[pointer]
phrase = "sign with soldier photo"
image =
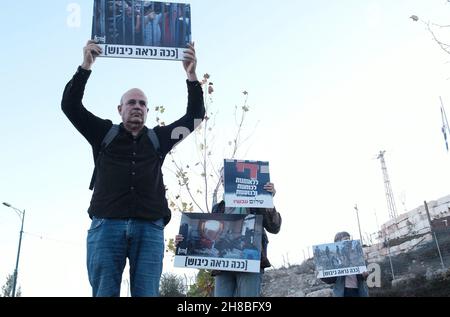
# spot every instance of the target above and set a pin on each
(141, 29)
(339, 259)
(227, 242)
(244, 184)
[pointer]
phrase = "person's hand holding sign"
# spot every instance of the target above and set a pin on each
(190, 62)
(270, 187)
(90, 52)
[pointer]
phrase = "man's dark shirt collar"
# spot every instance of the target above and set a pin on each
(122, 129)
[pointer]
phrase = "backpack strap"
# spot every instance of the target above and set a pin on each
(110, 135)
(155, 141)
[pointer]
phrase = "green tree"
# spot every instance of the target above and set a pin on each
(203, 286)
(171, 285)
(8, 287)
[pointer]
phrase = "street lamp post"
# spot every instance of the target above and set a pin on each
(21, 214)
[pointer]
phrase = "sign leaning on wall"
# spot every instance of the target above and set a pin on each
(141, 29)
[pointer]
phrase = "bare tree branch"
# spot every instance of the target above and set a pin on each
(442, 45)
(205, 169)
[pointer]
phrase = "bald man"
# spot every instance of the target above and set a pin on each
(128, 207)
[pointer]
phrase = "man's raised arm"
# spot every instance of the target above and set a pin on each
(85, 122)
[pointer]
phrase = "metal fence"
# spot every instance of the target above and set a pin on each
(413, 265)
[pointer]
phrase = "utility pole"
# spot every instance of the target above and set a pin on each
(434, 234)
(359, 226)
(387, 186)
(389, 254)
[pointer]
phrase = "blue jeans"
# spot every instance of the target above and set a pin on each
(339, 289)
(237, 284)
(351, 292)
(111, 241)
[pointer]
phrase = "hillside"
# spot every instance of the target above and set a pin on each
(416, 273)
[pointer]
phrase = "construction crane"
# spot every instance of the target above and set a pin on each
(387, 186)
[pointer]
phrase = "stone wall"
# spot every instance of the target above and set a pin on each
(406, 248)
(409, 230)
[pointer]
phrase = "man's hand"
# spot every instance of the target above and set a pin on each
(90, 52)
(190, 62)
(270, 187)
(178, 239)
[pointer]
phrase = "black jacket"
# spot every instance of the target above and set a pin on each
(129, 182)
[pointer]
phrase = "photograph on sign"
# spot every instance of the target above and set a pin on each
(339, 259)
(228, 242)
(141, 29)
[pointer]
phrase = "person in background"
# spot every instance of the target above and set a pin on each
(245, 284)
(349, 285)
